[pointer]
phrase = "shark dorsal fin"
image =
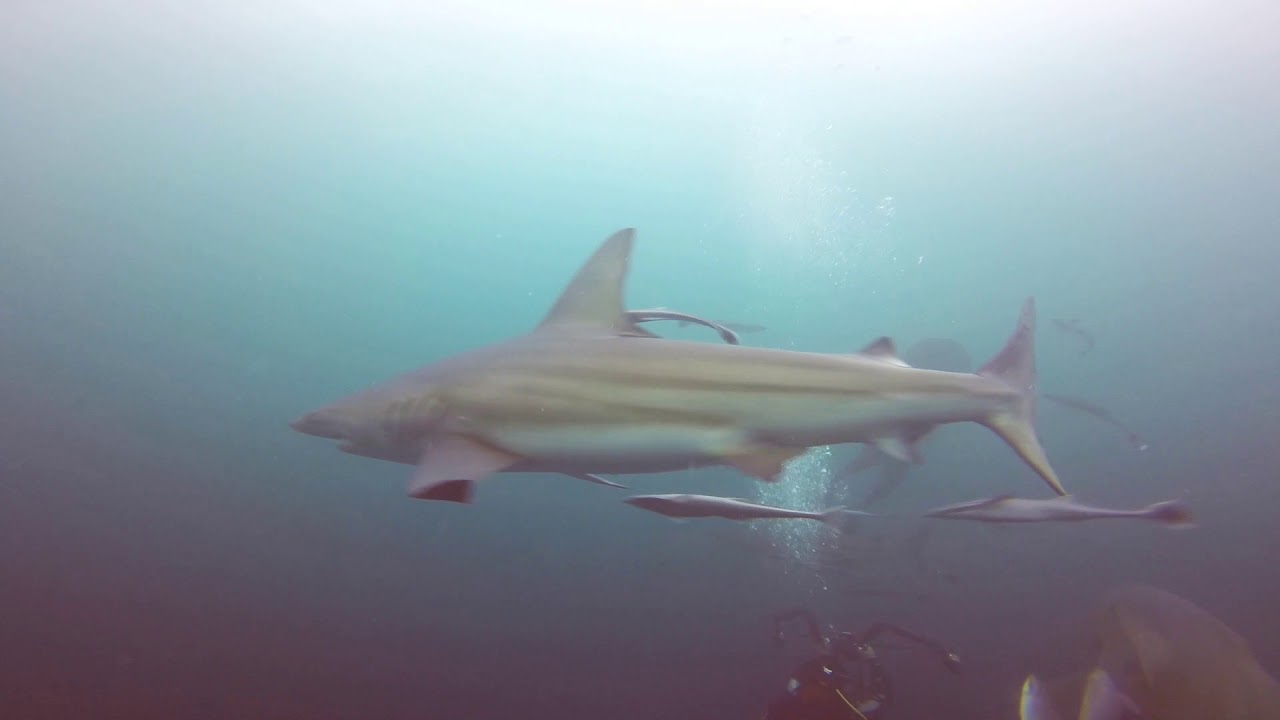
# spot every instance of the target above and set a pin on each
(593, 298)
(883, 349)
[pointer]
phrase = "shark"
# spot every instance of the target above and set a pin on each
(587, 392)
(895, 458)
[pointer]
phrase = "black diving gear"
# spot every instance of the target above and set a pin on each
(846, 681)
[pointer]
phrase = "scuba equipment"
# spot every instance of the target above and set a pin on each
(846, 680)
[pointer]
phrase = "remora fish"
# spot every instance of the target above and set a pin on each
(656, 314)
(735, 326)
(1072, 326)
(706, 506)
(1100, 413)
(588, 392)
(1009, 509)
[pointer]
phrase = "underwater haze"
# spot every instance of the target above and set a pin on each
(216, 216)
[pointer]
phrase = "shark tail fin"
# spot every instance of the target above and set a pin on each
(1015, 365)
(1171, 513)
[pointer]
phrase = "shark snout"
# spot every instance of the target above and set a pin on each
(320, 424)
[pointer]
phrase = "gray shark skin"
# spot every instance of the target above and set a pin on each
(586, 392)
(900, 453)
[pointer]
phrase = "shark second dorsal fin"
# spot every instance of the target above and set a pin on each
(593, 299)
(884, 350)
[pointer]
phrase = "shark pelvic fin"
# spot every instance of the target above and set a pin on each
(899, 448)
(451, 465)
(764, 462)
(592, 301)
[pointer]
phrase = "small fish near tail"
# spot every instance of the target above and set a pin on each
(1171, 513)
(1015, 365)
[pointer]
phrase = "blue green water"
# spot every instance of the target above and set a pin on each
(215, 216)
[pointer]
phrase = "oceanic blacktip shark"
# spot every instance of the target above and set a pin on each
(894, 456)
(635, 317)
(589, 392)
(711, 506)
(1009, 509)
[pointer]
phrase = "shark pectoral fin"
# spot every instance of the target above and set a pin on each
(1152, 650)
(899, 448)
(1104, 701)
(450, 466)
(596, 479)
(764, 462)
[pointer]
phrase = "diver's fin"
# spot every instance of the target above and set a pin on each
(1034, 703)
(1104, 701)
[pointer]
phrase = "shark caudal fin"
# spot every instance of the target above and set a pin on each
(1170, 513)
(1015, 366)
